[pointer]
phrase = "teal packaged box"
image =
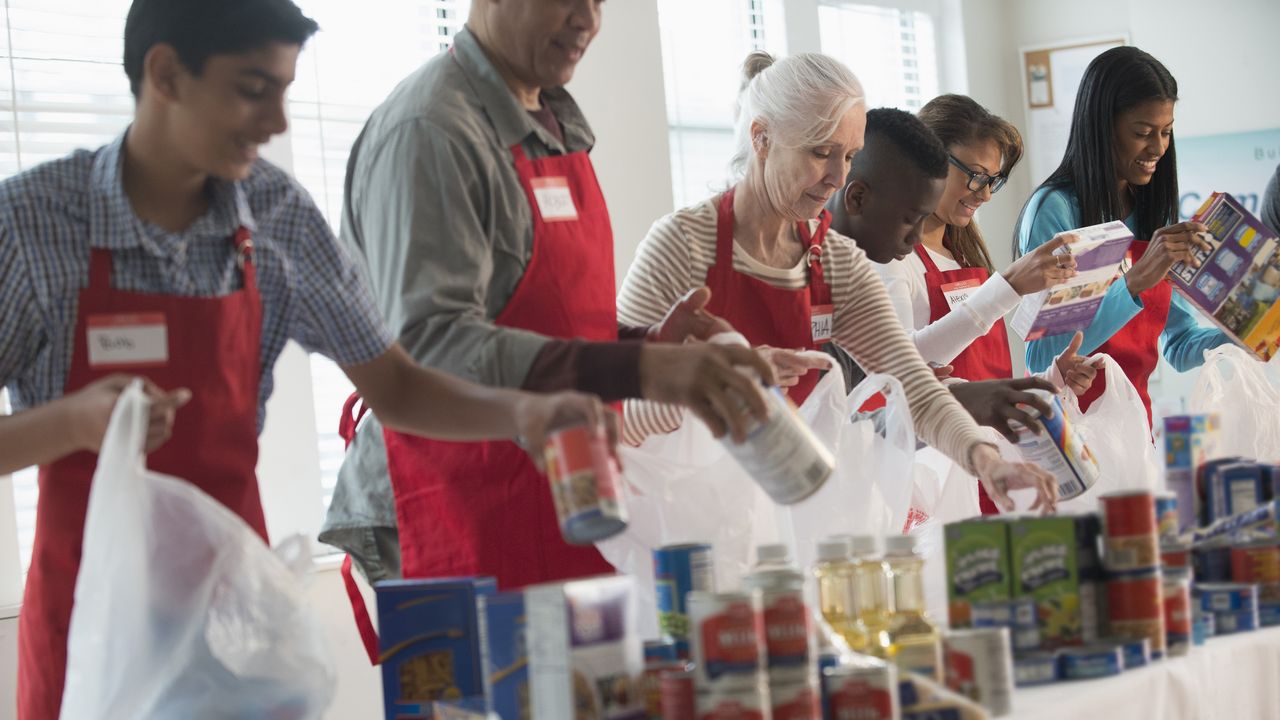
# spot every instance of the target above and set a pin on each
(429, 643)
(504, 648)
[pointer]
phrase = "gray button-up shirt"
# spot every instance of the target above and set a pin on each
(436, 212)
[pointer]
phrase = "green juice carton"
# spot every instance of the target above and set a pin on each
(978, 567)
(1055, 564)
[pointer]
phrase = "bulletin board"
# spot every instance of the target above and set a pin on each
(1050, 77)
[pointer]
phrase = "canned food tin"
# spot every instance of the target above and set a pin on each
(1256, 562)
(651, 683)
(677, 571)
(725, 703)
(584, 485)
(1037, 668)
(1135, 608)
(979, 666)
(1175, 555)
(1135, 653)
(1212, 565)
(1227, 597)
(863, 692)
(677, 695)
(1129, 531)
(1177, 611)
(1269, 614)
(1167, 515)
(782, 454)
(1091, 661)
(724, 635)
(1235, 621)
(1058, 449)
(794, 701)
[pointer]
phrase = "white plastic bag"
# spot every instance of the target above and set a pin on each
(1245, 393)
(1118, 435)
(180, 609)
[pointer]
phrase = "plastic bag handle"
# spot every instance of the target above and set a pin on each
(364, 623)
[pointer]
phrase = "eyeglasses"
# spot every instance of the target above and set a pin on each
(978, 180)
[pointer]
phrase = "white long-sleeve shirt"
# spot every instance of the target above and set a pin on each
(674, 258)
(942, 341)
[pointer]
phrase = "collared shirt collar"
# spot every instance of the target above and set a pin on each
(511, 121)
(113, 225)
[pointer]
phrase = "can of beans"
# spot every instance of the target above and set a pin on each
(1135, 608)
(725, 639)
(1257, 562)
(584, 484)
(678, 695)
(1167, 515)
(1129, 531)
(677, 571)
(979, 665)
(867, 692)
(1177, 611)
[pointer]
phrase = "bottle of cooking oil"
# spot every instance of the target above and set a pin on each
(914, 641)
(834, 574)
(872, 596)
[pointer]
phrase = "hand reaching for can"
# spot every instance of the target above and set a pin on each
(536, 416)
(999, 476)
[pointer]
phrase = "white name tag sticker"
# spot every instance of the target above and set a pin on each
(820, 317)
(959, 291)
(127, 340)
(555, 202)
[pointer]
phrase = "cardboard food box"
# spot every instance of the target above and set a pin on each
(978, 566)
(1099, 250)
(585, 652)
(504, 649)
(1055, 562)
(430, 643)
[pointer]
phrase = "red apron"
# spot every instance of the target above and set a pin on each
(213, 349)
(764, 314)
(1136, 346)
(483, 508)
(986, 358)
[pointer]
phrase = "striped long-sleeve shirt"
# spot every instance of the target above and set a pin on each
(674, 258)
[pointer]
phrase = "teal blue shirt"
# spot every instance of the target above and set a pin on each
(1183, 341)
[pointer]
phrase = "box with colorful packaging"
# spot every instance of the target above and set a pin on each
(1098, 250)
(978, 566)
(585, 653)
(1055, 561)
(1204, 480)
(430, 643)
(503, 648)
(1235, 488)
(1189, 440)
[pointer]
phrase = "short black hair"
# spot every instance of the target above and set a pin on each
(200, 28)
(912, 138)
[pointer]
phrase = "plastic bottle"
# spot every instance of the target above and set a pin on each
(915, 643)
(833, 572)
(872, 596)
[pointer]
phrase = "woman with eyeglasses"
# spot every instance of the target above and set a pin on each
(947, 293)
(1120, 165)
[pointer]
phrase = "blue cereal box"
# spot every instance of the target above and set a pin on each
(1189, 440)
(1204, 479)
(505, 655)
(429, 643)
(1234, 489)
(585, 652)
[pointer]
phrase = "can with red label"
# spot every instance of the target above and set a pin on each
(979, 665)
(1129, 531)
(584, 484)
(651, 681)
(862, 692)
(677, 695)
(786, 634)
(794, 701)
(1135, 608)
(725, 638)
(1256, 563)
(1175, 555)
(1177, 610)
(731, 703)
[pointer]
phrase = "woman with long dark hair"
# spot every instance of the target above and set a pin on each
(1120, 165)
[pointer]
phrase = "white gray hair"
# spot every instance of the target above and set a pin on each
(800, 100)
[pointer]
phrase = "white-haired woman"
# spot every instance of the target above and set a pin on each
(779, 276)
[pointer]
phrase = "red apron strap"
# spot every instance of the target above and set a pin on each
(819, 290)
(348, 423)
(929, 265)
(724, 232)
(364, 624)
